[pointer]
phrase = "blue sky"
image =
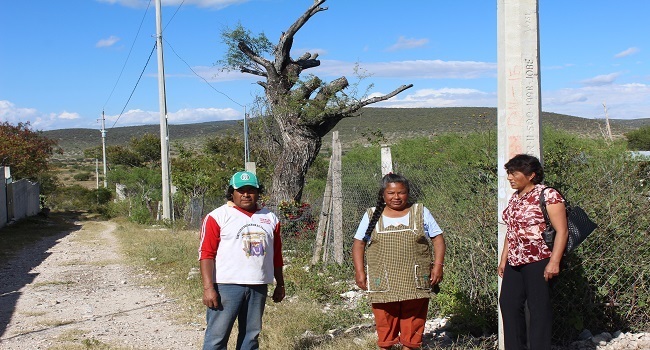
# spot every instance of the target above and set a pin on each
(64, 62)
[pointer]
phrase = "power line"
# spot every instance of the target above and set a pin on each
(136, 85)
(128, 56)
(195, 73)
(174, 15)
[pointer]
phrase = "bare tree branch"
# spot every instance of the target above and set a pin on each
(356, 106)
(332, 88)
(252, 71)
(243, 47)
(282, 57)
(305, 90)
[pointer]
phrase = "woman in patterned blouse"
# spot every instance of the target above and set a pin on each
(527, 265)
(404, 254)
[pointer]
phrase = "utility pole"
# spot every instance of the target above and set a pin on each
(519, 98)
(104, 148)
(164, 135)
(246, 152)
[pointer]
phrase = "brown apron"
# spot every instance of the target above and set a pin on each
(399, 260)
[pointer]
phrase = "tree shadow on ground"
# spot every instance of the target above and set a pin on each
(25, 245)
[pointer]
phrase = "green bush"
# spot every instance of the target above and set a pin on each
(82, 176)
(639, 139)
(78, 198)
(601, 289)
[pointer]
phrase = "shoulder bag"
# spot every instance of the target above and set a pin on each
(580, 226)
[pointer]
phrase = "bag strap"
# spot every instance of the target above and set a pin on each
(542, 203)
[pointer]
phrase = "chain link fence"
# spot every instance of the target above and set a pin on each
(603, 285)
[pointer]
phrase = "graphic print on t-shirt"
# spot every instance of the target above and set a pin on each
(254, 243)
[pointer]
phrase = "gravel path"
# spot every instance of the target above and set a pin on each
(71, 291)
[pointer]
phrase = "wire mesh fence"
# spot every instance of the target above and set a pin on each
(603, 285)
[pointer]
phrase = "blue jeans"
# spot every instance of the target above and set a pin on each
(236, 301)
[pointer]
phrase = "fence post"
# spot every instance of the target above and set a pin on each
(386, 160)
(337, 199)
(324, 217)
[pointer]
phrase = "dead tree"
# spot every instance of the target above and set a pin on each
(304, 111)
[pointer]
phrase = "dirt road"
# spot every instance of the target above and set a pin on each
(71, 291)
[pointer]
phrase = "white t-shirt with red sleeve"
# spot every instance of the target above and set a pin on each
(246, 246)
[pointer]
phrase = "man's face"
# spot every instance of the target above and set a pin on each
(246, 197)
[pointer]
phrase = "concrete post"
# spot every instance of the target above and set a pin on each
(3, 198)
(519, 99)
(386, 160)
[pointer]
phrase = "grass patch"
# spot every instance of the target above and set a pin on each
(72, 335)
(91, 232)
(54, 323)
(53, 283)
(168, 257)
(76, 339)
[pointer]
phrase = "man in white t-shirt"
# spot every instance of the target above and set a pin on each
(240, 254)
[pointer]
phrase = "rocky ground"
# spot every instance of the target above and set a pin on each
(73, 292)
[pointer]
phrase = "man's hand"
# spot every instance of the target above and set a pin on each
(210, 298)
(278, 294)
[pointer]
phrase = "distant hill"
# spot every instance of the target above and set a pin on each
(75, 141)
(393, 123)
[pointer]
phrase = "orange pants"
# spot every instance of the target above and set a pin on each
(400, 322)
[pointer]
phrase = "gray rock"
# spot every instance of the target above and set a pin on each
(585, 334)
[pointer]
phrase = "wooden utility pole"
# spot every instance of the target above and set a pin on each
(164, 135)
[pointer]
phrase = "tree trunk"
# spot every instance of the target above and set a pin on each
(300, 146)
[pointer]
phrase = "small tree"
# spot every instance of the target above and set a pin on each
(147, 147)
(27, 152)
(639, 139)
(304, 111)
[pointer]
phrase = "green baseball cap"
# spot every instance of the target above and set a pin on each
(244, 178)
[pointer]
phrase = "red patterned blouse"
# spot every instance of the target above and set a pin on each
(525, 224)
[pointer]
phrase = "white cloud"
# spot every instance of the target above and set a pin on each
(182, 116)
(407, 43)
(199, 115)
(9, 112)
(68, 116)
(628, 52)
(12, 114)
(418, 69)
(604, 79)
(214, 74)
(445, 97)
(110, 41)
(624, 101)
